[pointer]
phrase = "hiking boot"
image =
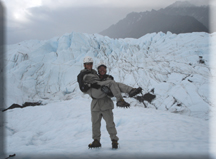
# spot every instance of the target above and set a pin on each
(114, 144)
(122, 103)
(135, 91)
(95, 144)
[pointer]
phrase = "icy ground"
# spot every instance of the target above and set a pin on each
(64, 128)
(178, 68)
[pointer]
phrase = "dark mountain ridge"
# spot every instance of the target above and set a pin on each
(180, 17)
(186, 9)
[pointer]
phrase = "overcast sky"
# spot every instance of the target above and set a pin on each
(44, 19)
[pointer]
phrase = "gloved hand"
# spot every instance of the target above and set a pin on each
(95, 85)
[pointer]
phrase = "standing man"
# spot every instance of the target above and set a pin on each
(102, 105)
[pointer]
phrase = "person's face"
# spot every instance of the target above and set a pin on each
(102, 70)
(88, 66)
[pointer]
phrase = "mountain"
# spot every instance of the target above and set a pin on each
(180, 17)
(176, 68)
(181, 4)
(202, 13)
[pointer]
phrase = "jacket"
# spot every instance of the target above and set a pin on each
(100, 101)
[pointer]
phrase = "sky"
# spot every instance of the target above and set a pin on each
(45, 19)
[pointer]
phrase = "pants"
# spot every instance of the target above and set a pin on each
(116, 88)
(96, 124)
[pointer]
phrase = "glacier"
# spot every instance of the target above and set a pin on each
(176, 67)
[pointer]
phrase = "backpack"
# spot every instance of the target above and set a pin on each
(83, 87)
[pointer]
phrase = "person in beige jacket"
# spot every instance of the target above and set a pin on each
(101, 106)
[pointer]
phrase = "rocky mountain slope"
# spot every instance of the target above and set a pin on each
(180, 17)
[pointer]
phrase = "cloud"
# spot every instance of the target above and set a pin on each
(45, 23)
(50, 18)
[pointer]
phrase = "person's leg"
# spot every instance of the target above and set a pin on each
(96, 124)
(117, 88)
(130, 90)
(124, 88)
(113, 87)
(115, 91)
(110, 125)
